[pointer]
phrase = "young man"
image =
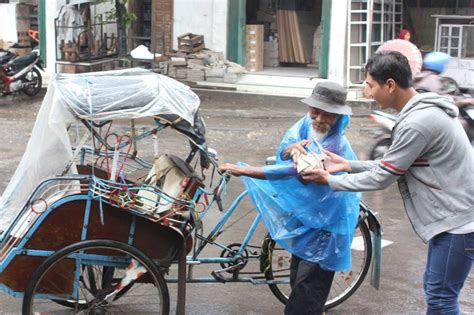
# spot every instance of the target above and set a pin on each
(311, 222)
(433, 161)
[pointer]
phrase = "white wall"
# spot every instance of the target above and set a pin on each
(52, 10)
(203, 17)
(8, 22)
(337, 42)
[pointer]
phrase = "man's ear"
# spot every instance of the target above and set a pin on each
(391, 85)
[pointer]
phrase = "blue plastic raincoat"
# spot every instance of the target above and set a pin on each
(308, 220)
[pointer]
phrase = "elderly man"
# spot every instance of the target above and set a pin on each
(432, 160)
(311, 222)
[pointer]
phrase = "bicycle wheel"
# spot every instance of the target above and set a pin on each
(277, 268)
(97, 277)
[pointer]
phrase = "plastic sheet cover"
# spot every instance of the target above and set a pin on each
(125, 94)
(308, 220)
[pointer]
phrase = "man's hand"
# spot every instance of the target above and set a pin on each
(333, 163)
(314, 175)
(233, 169)
(295, 150)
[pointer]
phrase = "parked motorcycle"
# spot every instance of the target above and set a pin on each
(21, 74)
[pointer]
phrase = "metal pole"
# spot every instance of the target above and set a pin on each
(181, 299)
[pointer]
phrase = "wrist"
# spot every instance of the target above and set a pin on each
(348, 167)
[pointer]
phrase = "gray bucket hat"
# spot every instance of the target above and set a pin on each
(329, 97)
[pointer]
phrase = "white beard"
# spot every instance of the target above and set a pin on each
(316, 135)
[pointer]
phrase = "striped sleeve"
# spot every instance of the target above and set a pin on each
(408, 144)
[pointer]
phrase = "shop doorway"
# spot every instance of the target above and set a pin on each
(293, 44)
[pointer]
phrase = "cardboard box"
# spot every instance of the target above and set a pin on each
(254, 47)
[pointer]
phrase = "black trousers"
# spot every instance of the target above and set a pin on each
(310, 286)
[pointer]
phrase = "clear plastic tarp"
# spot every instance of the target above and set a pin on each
(110, 95)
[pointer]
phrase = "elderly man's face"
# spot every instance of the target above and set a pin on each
(322, 121)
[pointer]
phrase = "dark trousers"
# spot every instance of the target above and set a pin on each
(310, 286)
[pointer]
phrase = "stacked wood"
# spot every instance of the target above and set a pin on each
(290, 44)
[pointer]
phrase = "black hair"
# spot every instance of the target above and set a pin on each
(386, 65)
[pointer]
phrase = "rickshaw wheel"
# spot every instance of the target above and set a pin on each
(97, 276)
(106, 277)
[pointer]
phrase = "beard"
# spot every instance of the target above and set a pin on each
(317, 135)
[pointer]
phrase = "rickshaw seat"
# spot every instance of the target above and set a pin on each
(171, 175)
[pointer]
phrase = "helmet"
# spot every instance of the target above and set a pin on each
(436, 61)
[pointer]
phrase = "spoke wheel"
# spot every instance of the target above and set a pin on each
(89, 278)
(277, 268)
(34, 81)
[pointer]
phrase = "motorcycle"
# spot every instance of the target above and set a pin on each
(6, 56)
(21, 74)
(386, 123)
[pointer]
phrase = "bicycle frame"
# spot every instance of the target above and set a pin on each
(238, 255)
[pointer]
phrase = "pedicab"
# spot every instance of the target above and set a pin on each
(90, 226)
(80, 233)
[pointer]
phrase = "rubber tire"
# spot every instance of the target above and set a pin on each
(269, 244)
(88, 244)
(385, 142)
(39, 84)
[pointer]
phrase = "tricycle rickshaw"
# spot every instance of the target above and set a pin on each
(89, 226)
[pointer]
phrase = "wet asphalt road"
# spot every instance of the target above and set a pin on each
(248, 128)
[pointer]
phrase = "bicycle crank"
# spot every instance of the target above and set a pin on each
(239, 261)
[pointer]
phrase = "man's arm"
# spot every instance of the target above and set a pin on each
(408, 145)
(237, 170)
(362, 166)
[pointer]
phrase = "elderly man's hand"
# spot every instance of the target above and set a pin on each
(314, 175)
(295, 150)
(233, 169)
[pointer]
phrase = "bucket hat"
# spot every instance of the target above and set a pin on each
(329, 97)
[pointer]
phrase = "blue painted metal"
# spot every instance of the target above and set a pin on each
(87, 214)
(250, 232)
(37, 252)
(43, 185)
(35, 226)
(227, 214)
(7, 290)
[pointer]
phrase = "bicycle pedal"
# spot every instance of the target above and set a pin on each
(218, 277)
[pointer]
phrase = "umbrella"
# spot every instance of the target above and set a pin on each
(406, 48)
